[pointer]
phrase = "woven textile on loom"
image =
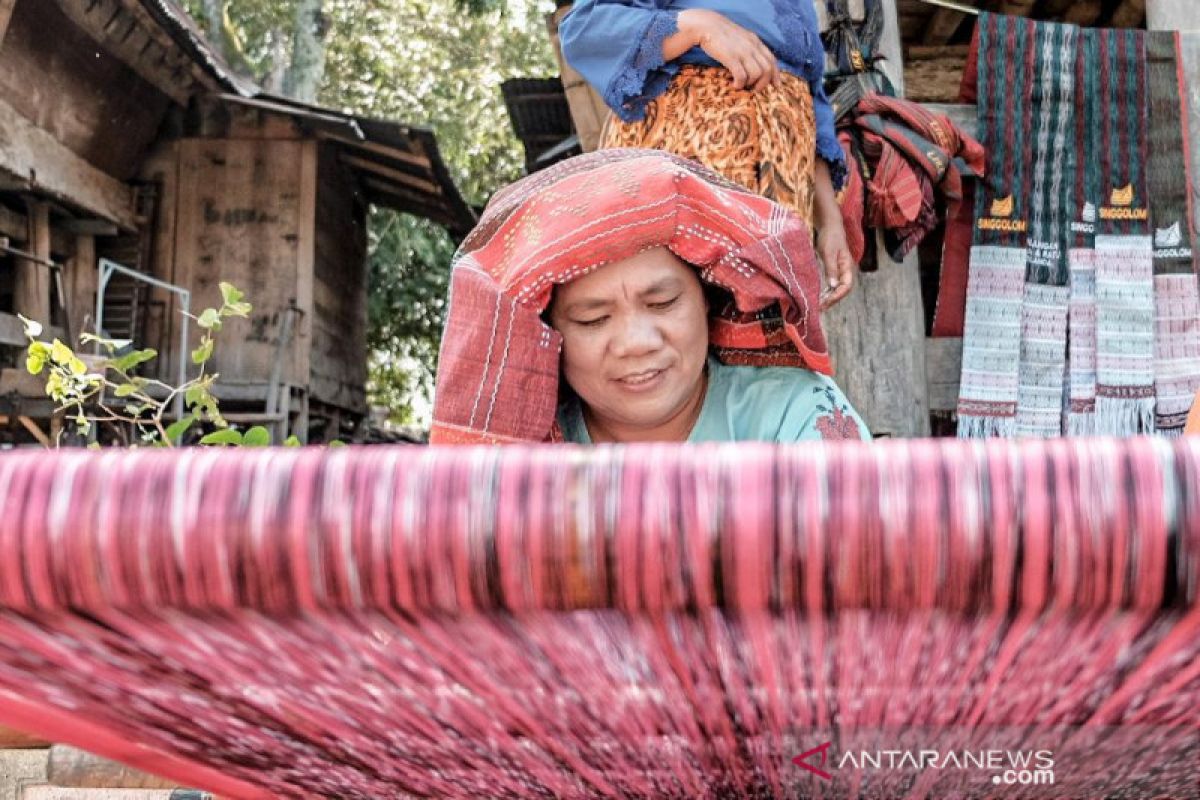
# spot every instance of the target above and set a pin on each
(1108, 340)
(724, 621)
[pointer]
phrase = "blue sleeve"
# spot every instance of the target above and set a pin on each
(616, 45)
(828, 148)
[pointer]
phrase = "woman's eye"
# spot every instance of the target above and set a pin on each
(665, 304)
(591, 323)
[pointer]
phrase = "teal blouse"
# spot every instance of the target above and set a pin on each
(765, 404)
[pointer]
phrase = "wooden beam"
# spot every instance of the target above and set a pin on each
(1129, 14)
(80, 279)
(891, 47)
(943, 24)
(943, 371)
(1084, 12)
(877, 337)
(134, 40)
(12, 331)
(11, 739)
(71, 767)
(31, 287)
(44, 164)
(1173, 15)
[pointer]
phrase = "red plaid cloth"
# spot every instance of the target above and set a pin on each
(853, 200)
(499, 365)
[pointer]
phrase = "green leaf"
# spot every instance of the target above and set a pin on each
(60, 353)
(292, 441)
(131, 360)
(237, 310)
(204, 351)
(337, 443)
(179, 427)
(35, 361)
(230, 293)
(226, 437)
(32, 329)
(126, 389)
(209, 319)
(258, 436)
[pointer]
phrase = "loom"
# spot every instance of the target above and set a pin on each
(724, 621)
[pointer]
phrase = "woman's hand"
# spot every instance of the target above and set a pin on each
(741, 52)
(839, 264)
(831, 238)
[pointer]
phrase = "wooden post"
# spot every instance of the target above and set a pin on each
(877, 334)
(1173, 15)
(31, 295)
(588, 109)
(80, 278)
(6, 9)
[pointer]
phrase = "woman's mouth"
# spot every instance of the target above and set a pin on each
(642, 381)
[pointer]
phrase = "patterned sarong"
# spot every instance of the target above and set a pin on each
(764, 141)
(1177, 307)
(988, 391)
(1044, 311)
(1124, 253)
(498, 372)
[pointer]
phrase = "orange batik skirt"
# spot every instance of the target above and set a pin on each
(765, 140)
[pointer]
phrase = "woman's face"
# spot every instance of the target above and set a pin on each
(635, 340)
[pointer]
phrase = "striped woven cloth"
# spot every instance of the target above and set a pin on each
(988, 391)
(1124, 250)
(645, 622)
(1177, 306)
(1043, 364)
(1081, 349)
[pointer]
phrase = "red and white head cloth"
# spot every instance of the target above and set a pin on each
(498, 371)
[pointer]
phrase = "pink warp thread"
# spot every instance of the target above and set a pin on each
(649, 621)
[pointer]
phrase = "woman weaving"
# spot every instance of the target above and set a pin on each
(673, 304)
(734, 84)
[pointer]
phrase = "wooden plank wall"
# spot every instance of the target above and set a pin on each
(241, 218)
(56, 77)
(339, 307)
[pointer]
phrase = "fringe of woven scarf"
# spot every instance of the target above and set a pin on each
(1124, 248)
(1081, 334)
(1043, 358)
(989, 388)
(1177, 301)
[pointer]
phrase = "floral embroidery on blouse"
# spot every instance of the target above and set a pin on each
(835, 421)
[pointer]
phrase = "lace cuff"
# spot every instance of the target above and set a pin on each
(645, 74)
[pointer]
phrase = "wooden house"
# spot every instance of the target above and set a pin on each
(125, 140)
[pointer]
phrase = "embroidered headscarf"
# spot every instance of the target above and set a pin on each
(498, 371)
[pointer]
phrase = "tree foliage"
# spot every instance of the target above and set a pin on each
(434, 63)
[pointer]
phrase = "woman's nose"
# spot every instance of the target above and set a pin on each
(638, 334)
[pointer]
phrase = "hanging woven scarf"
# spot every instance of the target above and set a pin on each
(1081, 405)
(498, 370)
(1124, 251)
(1177, 307)
(1044, 310)
(988, 392)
